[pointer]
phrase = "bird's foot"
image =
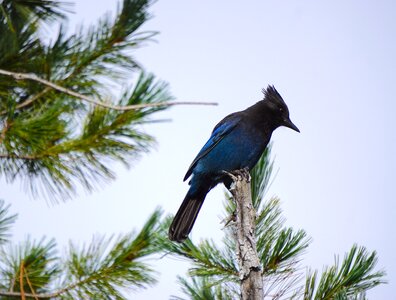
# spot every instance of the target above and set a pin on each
(239, 174)
(236, 175)
(244, 173)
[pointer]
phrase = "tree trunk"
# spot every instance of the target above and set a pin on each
(249, 263)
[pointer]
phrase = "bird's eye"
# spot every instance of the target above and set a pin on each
(281, 109)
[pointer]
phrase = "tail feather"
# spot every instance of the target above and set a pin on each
(185, 218)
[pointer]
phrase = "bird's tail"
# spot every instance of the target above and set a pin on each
(185, 217)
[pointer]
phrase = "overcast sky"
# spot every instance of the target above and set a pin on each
(334, 64)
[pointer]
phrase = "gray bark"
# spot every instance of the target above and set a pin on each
(249, 264)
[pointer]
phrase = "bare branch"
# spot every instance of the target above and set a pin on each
(250, 272)
(33, 77)
(20, 295)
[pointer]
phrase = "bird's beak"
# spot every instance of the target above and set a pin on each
(289, 123)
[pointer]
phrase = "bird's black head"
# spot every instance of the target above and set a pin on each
(278, 108)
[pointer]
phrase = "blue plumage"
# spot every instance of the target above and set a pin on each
(236, 142)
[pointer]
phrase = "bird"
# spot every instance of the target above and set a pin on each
(237, 142)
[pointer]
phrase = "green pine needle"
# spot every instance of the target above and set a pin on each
(6, 221)
(201, 288)
(35, 259)
(350, 280)
(108, 265)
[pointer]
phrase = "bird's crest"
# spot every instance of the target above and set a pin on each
(271, 94)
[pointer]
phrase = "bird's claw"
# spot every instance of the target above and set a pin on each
(239, 174)
(229, 174)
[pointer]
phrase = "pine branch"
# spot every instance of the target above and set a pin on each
(208, 260)
(349, 280)
(41, 145)
(99, 271)
(20, 76)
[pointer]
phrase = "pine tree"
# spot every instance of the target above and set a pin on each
(61, 127)
(60, 124)
(215, 273)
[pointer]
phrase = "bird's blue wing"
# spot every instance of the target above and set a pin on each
(223, 128)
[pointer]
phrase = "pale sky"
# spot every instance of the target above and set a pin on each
(334, 64)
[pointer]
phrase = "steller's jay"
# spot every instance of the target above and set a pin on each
(237, 142)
